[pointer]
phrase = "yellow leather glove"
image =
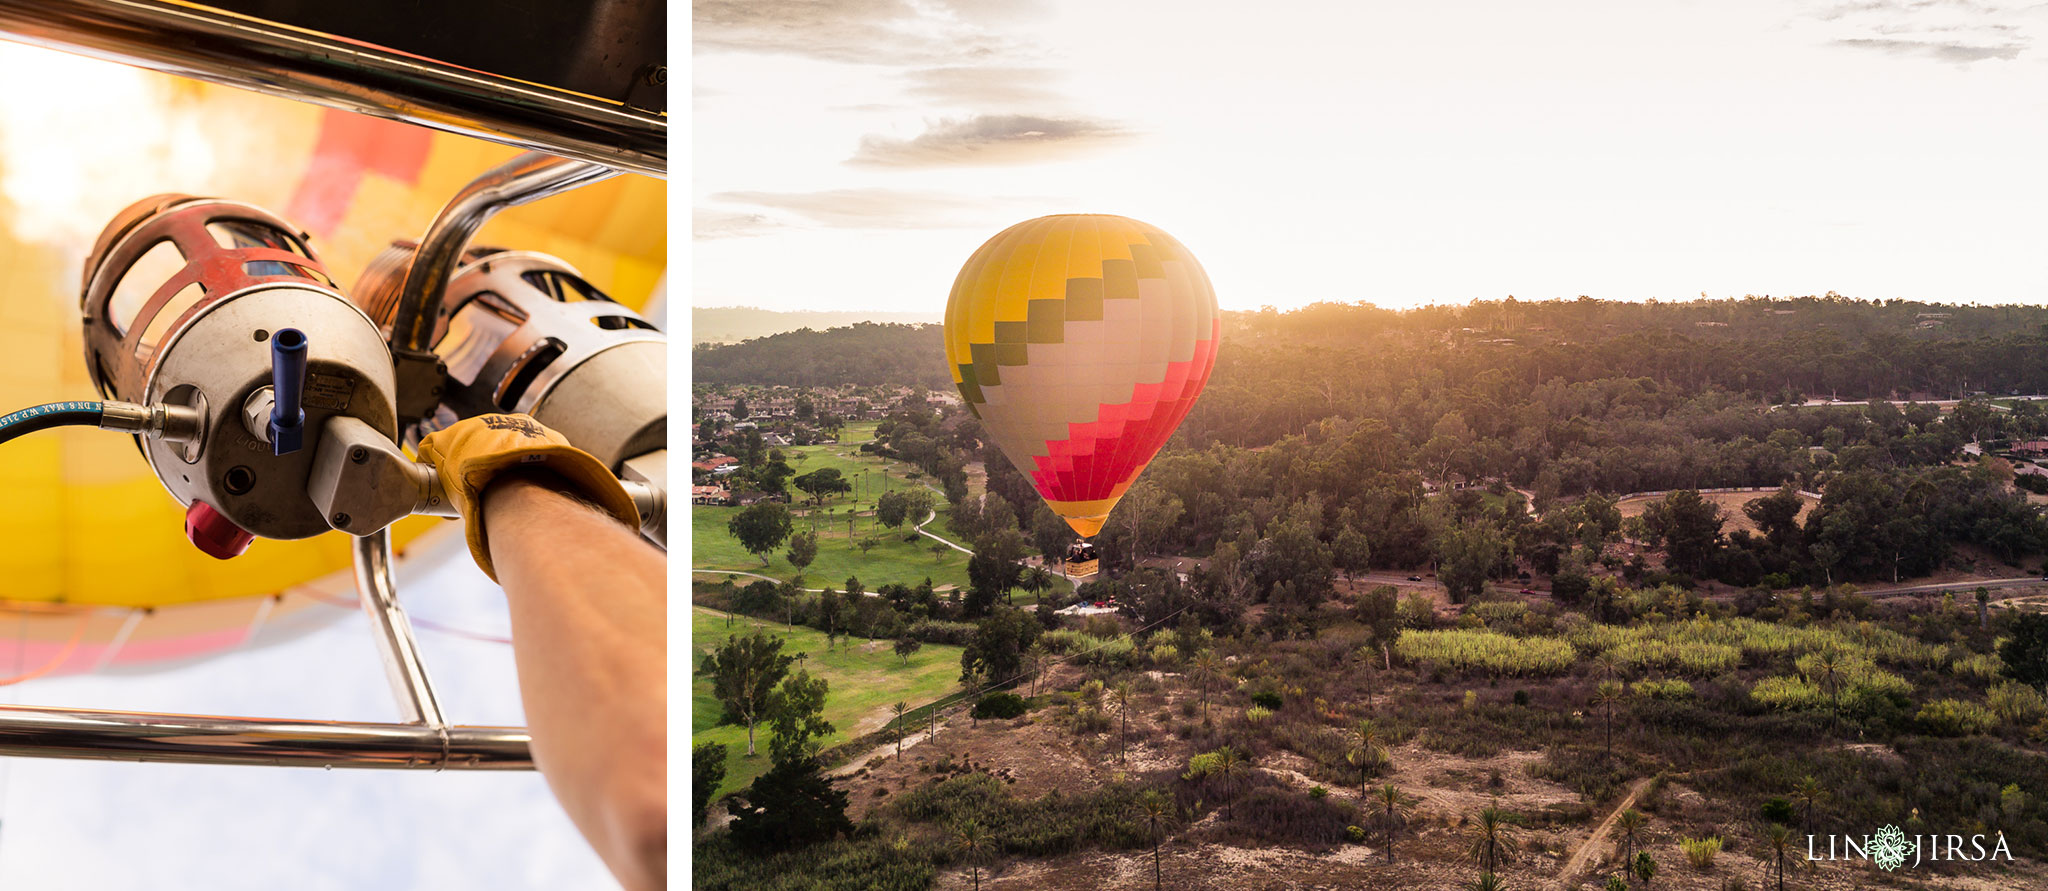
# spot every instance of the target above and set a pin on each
(469, 453)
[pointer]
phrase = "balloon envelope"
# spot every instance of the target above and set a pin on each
(1080, 341)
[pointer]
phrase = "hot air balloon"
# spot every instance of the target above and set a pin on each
(1081, 341)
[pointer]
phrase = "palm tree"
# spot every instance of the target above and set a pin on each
(1829, 662)
(1630, 821)
(1121, 695)
(1605, 698)
(1489, 836)
(1608, 663)
(1037, 581)
(1233, 762)
(1206, 667)
(1644, 868)
(1808, 790)
(1156, 811)
(1779, 837)
(1366, 749)
(1390, 798)
(899, 708)
(973, 842)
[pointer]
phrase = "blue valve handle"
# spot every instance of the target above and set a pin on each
(288, 385)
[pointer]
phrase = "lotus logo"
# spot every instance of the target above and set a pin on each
(1888, 849)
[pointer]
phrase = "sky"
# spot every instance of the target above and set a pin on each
(851, 154)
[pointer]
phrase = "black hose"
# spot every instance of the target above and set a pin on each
(44, 417)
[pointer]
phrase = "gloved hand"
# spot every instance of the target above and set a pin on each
(471, 452)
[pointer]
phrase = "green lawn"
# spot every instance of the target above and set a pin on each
(893, 560)
(865, 682)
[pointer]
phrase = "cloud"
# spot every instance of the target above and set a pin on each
(1006, 87)
(1959, 32)
(707, 223)
(1959, 53)
(882, 208)
(881, 32)
(990, 139)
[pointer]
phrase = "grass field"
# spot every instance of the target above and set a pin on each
(866, 679)
(894, 559)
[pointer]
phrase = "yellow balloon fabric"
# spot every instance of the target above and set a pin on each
(1081, 341)
(87, 522)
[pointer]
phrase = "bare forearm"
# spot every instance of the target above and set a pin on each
(589, 617)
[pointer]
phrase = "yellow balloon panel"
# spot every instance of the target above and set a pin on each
(87, 522)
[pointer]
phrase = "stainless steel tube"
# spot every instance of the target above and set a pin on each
(221, 47)
(379, 596)
(528, 177)
(36, 732)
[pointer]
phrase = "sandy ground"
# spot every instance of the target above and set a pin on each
(1731, 507)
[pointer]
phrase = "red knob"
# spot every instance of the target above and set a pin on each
(215, 534)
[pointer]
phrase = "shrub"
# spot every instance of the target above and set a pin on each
(1057, 823)
(1165, 656)
(2016, 703)
(1317, 792)
(999, 705)
(1700, 851)
(1468, 650)
(1669, 689)
(933, 631)
(1257, 714)
(1982, 666)
(1279, 816)
(1954, 717)
(1521, 697)
(1778, 810)
(1267, 698)
(1355, 834)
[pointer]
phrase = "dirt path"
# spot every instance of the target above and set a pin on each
(1589, 849)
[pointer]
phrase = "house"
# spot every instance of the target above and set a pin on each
(2031, 447)
(713, 463)
(1181, 567)
(709, 495)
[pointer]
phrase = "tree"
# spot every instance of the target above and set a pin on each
(2025, 651)
(1689, 528)
(1121, 695)
(760, 528)
(974, 843)
(796, 719)
(996, 650)
(791, 805)
(1391, 800)
(1207, 666)
(823, 482)
(1490, 837)
(902, 506)
(1630, 822)
(906, 647)
(1644, 867)
(1779, 837)
(1469, 554)
(1157, 812)
(743, 672)
(1366, 749)
(707, 770)
(803, 548)
(1809, 791)
(1604, 698)
(1036, 581)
